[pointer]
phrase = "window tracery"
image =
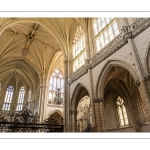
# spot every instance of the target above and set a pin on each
(20, 99)
(79, 49)
(8, 98)
(105, 29)
(56, 82)
(122, 114)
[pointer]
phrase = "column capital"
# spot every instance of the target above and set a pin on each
(126, 31)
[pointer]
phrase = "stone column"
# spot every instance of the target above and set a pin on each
(42, 98)
(72, 120)
(143, 89)
(100, 115)
(66, 98)
(89, 49)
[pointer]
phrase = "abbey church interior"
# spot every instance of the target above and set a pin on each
(75, 74)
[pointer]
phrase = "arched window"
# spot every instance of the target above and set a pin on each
(20, 99)
(122, 114)
(79, 49)
(56, 83)
(8, 98)
(105, 29)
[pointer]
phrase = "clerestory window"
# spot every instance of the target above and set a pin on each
(8, 98)
(105, 29)
(20, 99)
(56, 83)
(122, 114)
(79, 49)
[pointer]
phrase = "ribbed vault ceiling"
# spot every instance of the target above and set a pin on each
(27, 49)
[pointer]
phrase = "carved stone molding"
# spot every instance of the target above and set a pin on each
(139, 26)
(78, 73)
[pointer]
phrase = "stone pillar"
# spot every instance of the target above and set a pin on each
(66, 98)
(89, 49)
(100, 115)
(143, 89)
(42, 98)
(73, 120)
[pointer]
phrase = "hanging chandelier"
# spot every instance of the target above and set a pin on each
(58, 99)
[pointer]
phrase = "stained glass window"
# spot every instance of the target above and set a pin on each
(8, 98)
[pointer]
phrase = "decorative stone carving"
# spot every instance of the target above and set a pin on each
(78, 73)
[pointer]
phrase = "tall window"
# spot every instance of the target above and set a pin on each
(20, 99)
(106, 29)
(122, 114)
(8, 98)
(56, 82)
(79, 49)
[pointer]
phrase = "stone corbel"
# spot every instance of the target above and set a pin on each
(126, 32)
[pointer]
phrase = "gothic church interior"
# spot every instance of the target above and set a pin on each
(75, 74)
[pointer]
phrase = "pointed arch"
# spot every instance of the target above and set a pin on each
(80, 91)
(105, 71)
